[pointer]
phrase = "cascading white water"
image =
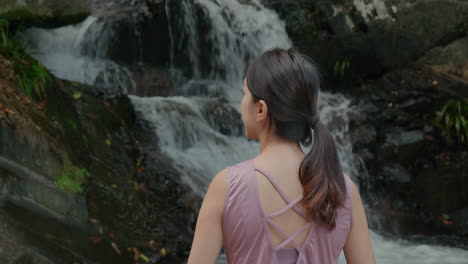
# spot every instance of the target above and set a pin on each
(238, 33)
(77, 53)
(185, 135)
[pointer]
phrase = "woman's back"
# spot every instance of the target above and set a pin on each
(284, 206)
(264, 220)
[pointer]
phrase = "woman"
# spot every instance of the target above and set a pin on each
(283, 206)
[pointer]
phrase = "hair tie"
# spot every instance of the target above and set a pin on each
(313, 121)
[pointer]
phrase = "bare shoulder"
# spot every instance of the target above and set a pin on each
(355, 195)
(217, 191)
(219, 181)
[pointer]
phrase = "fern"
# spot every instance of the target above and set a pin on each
(31, 76)
(453, 118)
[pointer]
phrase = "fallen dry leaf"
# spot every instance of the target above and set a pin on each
(95, 239)
(136, 254)
(41, 104)
(116, 248)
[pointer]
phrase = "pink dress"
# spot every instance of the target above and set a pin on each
(245, 226)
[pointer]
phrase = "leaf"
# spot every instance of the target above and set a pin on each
(446, 221)
(96, 240)
(163, 252)
(457, 125)
(76, 95)
(108, 142)
(145, 258)
(91, 116)
(447, 121)
(116, 248)
(139, 161)
(439, 117)
(153, 245)
(136, 254)
(42, 104)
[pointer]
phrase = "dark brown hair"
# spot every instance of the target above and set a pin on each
(288, 82)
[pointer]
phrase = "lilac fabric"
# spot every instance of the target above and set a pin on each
(245, 225)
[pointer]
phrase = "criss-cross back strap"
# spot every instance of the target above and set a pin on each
(289, 205)
(285, 236)
(291, 238)
(285, 198)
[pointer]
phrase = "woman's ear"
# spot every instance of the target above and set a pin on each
(261, 111)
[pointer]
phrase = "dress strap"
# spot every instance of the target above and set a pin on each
(291, 238)
(285, 198)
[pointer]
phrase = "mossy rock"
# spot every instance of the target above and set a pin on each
(46, 13)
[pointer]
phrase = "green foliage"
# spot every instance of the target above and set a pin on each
(32, 76)
(453, 118)
(341, 67)
(71, 181)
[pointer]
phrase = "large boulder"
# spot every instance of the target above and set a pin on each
(355, 39)
(132, 194)
(451, 59)
(45, 12)
(141, 28)
(417, 172)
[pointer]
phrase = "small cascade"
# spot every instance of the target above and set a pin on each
(78, 53)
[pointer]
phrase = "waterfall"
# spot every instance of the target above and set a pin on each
(200, 129)
(78, 53)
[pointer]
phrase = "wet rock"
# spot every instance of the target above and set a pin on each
(413, 166)
(133, 196)
(396, 173)
(451, 59)
(370, 37)
(46, 13)
(151, 81)
(202, 88)
(443, 188)
(141, 28)
(223, 117)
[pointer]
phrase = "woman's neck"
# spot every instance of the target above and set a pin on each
(272, 145)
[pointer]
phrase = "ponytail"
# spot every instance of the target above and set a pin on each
(321, 176)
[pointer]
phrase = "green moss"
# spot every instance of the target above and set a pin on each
(72, 181)
(31, 75)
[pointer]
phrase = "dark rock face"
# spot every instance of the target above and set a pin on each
(134, 194)
(371, 37)
(141, 29)
(223, 118)
(451, 60)
(46, 13)
(151, 81)
(415, 171)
